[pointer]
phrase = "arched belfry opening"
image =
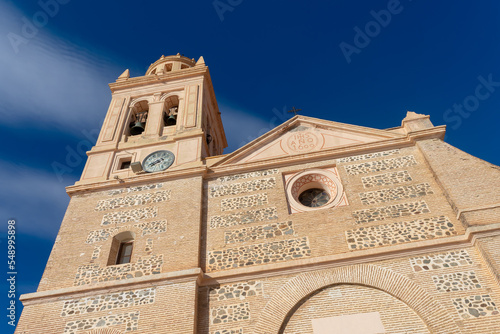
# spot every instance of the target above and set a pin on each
(138, 118)
(171, 110)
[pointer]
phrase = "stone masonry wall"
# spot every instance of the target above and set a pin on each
(268, 252)
(390, 211)
(243, 202)
(93, 273)
(245, 217)
(108, 302)
(402, 232)
(394, 194)
(129, 320)
(377, 166)
(133, 200)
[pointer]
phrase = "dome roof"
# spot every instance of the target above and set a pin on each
(170, 63)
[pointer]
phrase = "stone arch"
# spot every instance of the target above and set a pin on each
(165, 96)
(148, 99)
(294, 291)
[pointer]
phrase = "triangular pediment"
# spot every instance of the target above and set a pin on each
(301, 135)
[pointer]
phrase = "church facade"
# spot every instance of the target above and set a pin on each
(315, 227)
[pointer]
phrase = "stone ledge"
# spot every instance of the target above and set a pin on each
(181, 276)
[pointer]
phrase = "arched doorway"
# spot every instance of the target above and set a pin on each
(352, 309)
(284, 302)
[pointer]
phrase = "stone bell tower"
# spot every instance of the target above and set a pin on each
(172, 108)
(128, 247)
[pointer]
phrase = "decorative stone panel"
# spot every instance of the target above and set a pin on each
(243, 202)
(248, 175)
(475, 306)
(386, 179)
(456, 282)
(246, 217)
(401, 232)
(440, 261)
(229, 331)
(259, 232)
(155, 227)
(108, 302)
(394, 194)
(134, 189)
(378, 166)
(95, 253)
(101, 235)
(368, 156)
(243, 187)
(391, 211)
(147, 228)
(133, 200)
(238, 290)
(92, 273)
(121, 217)
(229, 313)
(275, 251)
(130, 320)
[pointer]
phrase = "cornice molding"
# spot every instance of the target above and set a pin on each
(154, 78)
(137, 179)
(182, 276)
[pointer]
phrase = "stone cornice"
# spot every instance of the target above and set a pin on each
(137, 179)
(151, 79)
(182, 276)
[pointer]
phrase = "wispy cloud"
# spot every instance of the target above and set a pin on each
(36, 199)
(242, 126)
(50, 81)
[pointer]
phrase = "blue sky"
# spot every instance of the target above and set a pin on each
(356, 62)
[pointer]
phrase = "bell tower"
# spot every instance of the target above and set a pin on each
(171, 108)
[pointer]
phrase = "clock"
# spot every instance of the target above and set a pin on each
(158, 161)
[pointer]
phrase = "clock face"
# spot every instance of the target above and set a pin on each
(158, 161)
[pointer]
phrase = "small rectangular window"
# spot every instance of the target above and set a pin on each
(125, 164)
(125, 252)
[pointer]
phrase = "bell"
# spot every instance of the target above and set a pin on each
(171, 120)
(137, 129)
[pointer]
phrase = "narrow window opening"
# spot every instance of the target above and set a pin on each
(121, 248)
(125, 252)
(125, 164)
